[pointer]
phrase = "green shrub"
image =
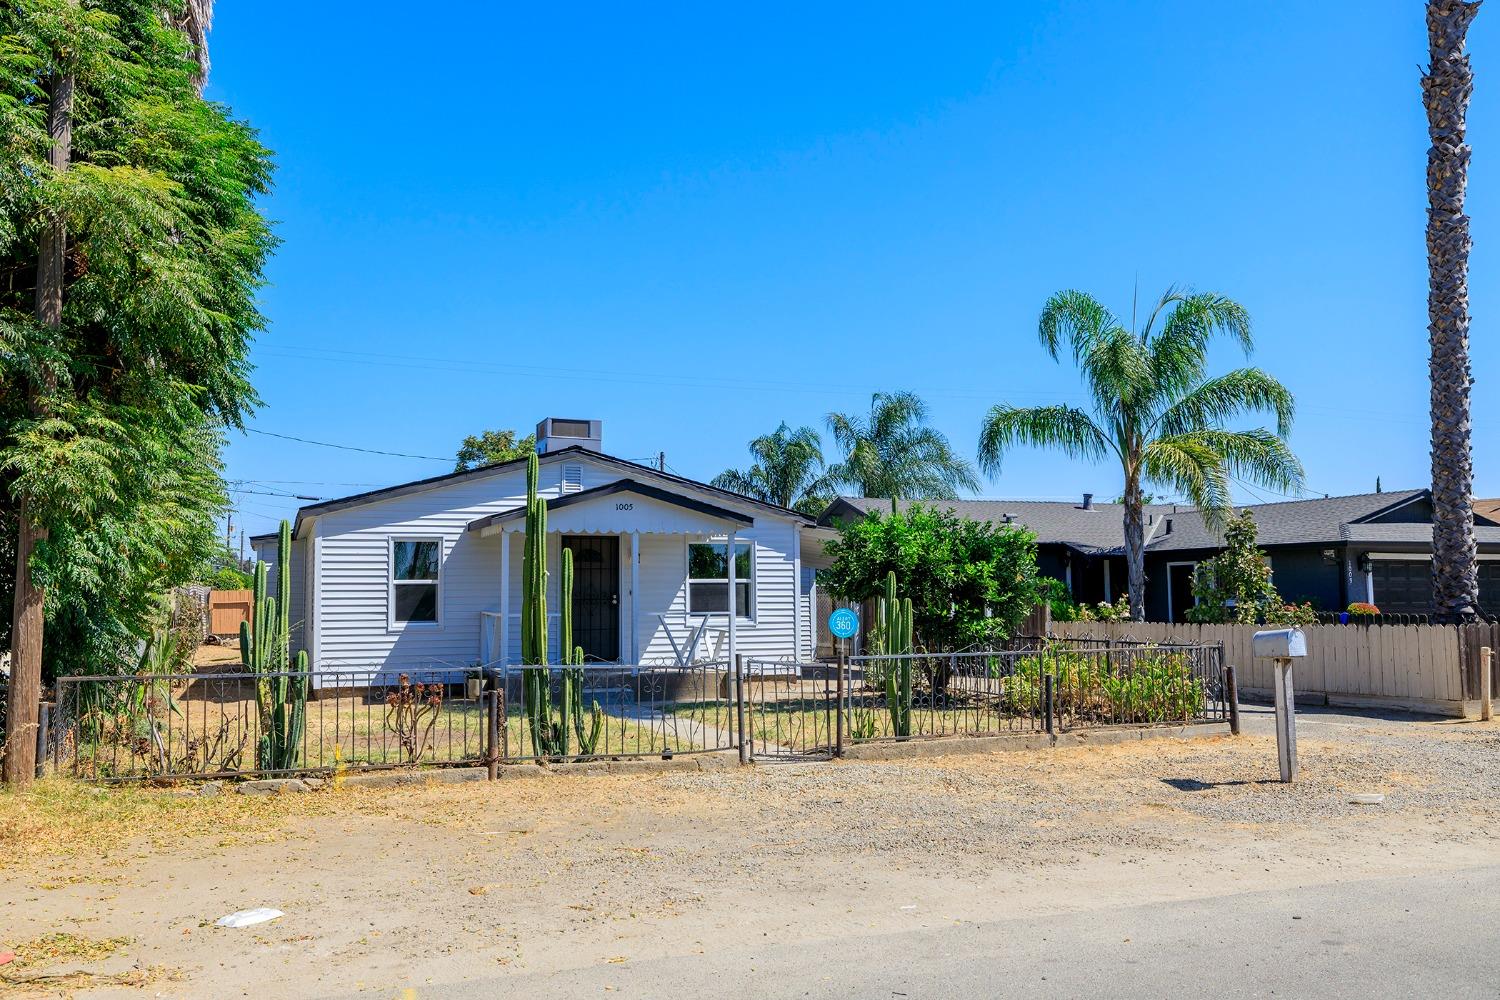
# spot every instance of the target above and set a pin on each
(1146, 685)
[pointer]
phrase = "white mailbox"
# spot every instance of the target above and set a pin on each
(1285, 646)
(1279, 643)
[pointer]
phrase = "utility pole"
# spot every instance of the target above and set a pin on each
(241, 564)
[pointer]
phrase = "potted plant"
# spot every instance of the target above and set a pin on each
(1359, 609)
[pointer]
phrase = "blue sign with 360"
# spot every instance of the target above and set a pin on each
(843, 623)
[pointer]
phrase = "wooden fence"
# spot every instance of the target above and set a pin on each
(226, 609)
(1424, 668)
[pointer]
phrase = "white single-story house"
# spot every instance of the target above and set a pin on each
(428, 573)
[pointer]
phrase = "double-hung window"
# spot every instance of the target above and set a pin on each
(708, 578)
(414, 580)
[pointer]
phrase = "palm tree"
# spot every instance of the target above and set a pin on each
(892, 452)
(1446, 87)
(788, 471)
(1154, 409)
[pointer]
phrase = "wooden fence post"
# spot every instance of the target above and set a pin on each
(1486, 710)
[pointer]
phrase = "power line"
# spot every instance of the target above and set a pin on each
(347, 447)
(268, 493)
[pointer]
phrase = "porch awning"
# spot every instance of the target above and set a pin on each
(620, 508)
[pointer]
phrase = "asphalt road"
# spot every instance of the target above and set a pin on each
(1413, 936)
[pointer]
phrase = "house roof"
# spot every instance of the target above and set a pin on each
(1288, 522)
(1053, 523)
(619, 486)
(1098, 531)
(573, 451)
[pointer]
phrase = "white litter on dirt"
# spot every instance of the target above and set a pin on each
(248, 918)
(1367, 799)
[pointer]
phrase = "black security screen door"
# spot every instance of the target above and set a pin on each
(596, 594)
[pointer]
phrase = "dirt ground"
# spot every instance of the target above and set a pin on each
(115, 892)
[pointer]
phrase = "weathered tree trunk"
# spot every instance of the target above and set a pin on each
(1446, 88)
(1135, 547)
(28, 619)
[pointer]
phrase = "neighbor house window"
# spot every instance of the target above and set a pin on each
(414, 580)
(708, 578)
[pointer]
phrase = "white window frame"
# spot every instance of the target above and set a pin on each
(687, 562)
(391, 583)
(1194, 565)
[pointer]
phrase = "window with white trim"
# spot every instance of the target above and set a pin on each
(415, 566)
(708, 578)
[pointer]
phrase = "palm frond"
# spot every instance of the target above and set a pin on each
(1067, 428)
(1188, 465)
(1076, 319)
(1211, 403)
(1258, 456)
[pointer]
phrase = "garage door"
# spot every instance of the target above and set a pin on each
(1403, 586)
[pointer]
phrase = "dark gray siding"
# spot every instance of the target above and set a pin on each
(1302, 574)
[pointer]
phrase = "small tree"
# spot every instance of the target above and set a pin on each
(969, 581)
(1235, 585)
(490, 448)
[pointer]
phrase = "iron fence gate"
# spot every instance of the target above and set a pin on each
(790, 709)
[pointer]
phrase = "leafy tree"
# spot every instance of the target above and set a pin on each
(492, 447)
(1446, 87)
(970, 582)
(788, 471)
(892, 453)
(1235, 585)
(1155, 411)
(134, 250)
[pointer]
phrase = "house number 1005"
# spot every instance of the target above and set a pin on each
(624, 506)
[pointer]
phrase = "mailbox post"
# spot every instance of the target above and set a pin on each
(1282, 646)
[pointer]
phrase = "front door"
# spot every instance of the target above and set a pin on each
(1180, 586)
(596, 594)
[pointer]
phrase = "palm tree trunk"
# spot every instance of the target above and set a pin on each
(1135, 546)
(28, 618)
(1446, 88)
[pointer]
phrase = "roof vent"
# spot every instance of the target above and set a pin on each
(1088, 501)
(1166, 526)
(572, 479)
(557, 433)
(1008, 517)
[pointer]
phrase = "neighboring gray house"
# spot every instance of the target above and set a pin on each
(429, 573)
(1332, 551)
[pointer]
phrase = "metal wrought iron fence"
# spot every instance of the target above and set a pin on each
(791, 709)
(107, 728)
(1055, 685)
(607, 710)
(359, 717)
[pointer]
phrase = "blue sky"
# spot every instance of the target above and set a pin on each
(693, 223)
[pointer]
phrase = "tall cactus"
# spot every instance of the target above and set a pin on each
(536, 681)
(265, 647)
(896, 632)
